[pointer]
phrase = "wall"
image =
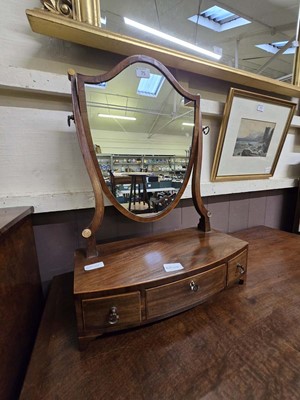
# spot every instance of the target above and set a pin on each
(134, 143)
(40, 161)
(41, 164)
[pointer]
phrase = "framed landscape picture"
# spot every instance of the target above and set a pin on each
(252, 134)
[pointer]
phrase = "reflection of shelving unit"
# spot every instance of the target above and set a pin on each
(127, 162)
(105, 162)
(160, 164)
(181, 164)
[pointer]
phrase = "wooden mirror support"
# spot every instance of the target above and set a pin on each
(133, 282)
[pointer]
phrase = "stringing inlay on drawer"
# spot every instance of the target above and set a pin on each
(167, 299)
(237, 268)
(112, 311)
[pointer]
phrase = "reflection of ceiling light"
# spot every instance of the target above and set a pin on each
(117, 117)
(171, 38)
(218, 19)
(188, 124)
(103, 21)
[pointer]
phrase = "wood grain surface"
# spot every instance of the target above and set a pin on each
(21, 298)
(139, 261)
(243, 345)
(137, 265)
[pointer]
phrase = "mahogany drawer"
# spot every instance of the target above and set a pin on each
(170, 298)
(112, 311)
(237, 268)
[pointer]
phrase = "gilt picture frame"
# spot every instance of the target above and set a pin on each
(252, 135)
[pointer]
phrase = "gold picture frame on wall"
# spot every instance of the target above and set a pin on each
(252, 134)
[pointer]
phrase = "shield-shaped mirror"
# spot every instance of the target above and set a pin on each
(141, 129)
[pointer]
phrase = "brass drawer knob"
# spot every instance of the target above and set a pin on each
(240, 268)
(193, 286)
(113, 317)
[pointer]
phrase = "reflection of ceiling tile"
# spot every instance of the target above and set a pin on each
(271, 21)
(163, 114)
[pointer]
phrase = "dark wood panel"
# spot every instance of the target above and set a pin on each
(21, 299)
(243, 345)
(296, 224)
(11, 216)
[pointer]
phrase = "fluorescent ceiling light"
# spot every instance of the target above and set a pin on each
(171, 38)
(218, 19)
(150, 86)
(117, 117)
(188, 124)
(275, 47)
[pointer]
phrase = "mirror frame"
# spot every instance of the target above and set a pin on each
(78, 82)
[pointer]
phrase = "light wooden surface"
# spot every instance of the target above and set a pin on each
(243, 345)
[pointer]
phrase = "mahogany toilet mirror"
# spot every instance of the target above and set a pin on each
(140, 135)
(141, 138)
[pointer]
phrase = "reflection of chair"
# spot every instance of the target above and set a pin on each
(118, 180)
(162, 201)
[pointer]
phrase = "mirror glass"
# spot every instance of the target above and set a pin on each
(142, 131)
(249, 35)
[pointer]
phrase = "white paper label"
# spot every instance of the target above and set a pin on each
(96, 265)
(260, 108)
(143, 73)
(172, 267)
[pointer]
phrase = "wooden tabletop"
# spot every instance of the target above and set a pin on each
(243, 344)
(11, 215)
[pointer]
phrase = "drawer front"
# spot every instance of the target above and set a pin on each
(112, 312)
(167, 299)
(237, 268)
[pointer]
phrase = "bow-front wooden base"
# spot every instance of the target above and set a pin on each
(133, 288)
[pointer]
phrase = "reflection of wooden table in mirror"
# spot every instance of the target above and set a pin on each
(118, 179)
(139, 190)
(137, 179)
